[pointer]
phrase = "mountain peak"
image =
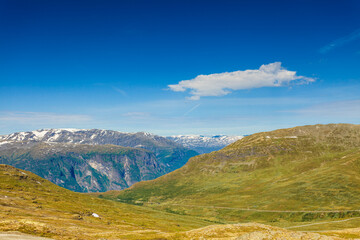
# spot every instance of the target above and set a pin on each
(81, 136)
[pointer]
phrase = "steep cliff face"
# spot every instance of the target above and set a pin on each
(85, 168)
(93, 160)
(171, 154)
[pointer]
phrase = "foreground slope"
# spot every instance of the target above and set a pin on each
(33, 205)
(298, 174)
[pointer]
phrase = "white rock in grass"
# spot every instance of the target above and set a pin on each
(95, 215)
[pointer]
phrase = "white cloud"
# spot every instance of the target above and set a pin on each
(341, 41)
(220, 84)
(122, 92)
(340, 110)
(137, 115)
(192, 109)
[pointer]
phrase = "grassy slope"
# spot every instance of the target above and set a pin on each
(318, 170)
(31, 204)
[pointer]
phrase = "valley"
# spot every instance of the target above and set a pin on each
(32, 205)
(285, 178)
(179, 120)
(297, 183)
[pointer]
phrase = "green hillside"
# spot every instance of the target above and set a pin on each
(33, 205)
(284, 177)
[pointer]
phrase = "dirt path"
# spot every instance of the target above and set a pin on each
(19, 236)
(319, 223)
(275, 211)
(285, 211)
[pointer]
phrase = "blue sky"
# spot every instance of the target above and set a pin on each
(178, 67)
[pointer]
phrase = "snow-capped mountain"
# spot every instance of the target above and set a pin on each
(87, 160)
(90, 136)
(204, 144)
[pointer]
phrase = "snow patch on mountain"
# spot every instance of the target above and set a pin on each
(85, 136)
(204, 144)
(154, 143)
(5, 142)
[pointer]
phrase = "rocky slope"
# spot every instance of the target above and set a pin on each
(85, 168)
(92, 160)
(204, 144)
(249, 231)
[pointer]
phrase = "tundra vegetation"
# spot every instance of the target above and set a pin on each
(290, 178)
(289, 184)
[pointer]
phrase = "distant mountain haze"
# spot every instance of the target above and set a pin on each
(204, 144)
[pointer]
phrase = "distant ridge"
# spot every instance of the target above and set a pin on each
(92, 160)
(204, 144)
(88, 136)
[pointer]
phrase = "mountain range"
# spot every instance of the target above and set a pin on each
(92, 160)
(302, 178)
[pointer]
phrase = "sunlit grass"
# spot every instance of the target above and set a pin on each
(310, 168)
